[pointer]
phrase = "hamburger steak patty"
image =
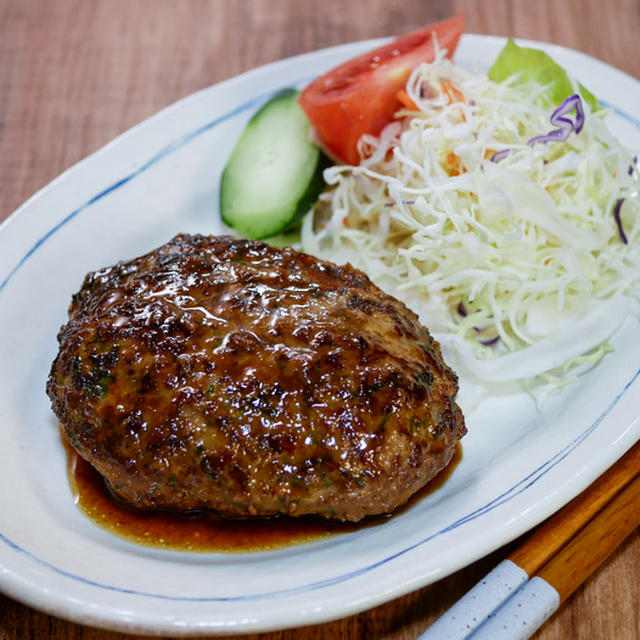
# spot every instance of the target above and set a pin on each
(223, 374)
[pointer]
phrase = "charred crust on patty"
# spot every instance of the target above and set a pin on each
(223, 374)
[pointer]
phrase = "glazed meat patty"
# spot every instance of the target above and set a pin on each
(223, 374)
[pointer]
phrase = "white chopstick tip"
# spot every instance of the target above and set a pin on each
(522, 614)
(476, 605)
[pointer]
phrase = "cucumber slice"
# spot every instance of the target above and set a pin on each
(274, 174)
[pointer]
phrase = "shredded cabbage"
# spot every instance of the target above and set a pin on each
(517, 265)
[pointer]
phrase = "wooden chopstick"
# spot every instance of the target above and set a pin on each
(554, 533)
(551, 563)
(575, 562)
(536, 601)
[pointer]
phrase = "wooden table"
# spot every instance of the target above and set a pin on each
(73, 74)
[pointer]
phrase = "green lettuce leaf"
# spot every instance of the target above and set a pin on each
(533, 64)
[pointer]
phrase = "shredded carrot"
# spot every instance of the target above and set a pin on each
(404, 98)
(455, 163)
(457, 93)
(454, 94)
(445, 89)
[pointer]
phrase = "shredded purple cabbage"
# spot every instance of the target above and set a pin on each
(633, 165)
(498, 155)
(616, 217)
(565, 126)
(462, 310)
(392, 204)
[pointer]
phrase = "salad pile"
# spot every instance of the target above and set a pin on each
(497, 206)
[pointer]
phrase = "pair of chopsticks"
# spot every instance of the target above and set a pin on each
(523, 591)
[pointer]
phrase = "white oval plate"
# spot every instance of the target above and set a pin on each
(159, 179)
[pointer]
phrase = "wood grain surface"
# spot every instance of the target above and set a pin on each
(74, 74)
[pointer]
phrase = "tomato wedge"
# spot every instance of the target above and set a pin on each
(360, 96)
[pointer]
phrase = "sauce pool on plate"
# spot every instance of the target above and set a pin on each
(203, 531)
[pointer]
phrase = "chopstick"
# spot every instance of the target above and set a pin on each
(560, 555)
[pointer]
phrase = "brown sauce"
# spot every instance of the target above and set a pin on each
(205, 532)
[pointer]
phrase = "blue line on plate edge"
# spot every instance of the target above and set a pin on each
(620, 113)
(164, 152)
(508, 495)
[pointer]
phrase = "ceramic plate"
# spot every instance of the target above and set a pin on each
(161, 178)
